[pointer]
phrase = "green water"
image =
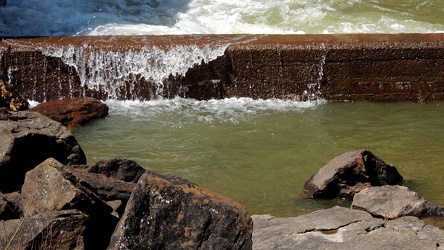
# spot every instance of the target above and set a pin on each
(262, 156)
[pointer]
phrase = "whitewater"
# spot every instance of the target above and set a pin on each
(160, 17)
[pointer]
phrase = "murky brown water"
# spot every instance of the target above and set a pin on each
(261, 153)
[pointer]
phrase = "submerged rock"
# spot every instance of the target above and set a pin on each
(28, 139)
(392, 202)
(73, 112)
(349, 173)
(172, 213)
(344, 228)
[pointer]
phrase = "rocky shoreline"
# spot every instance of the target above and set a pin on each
(51, 199)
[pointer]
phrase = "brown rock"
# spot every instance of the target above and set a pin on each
(172, 213)
(56, 230)
(392, 202)
(11, 99)
(113, 180)
(118, 169)
(349, 173)
(46, 189)
(49, 187)
(73, 112)
(27, 139)
(10, 206)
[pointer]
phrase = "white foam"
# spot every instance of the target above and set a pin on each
(114, 69)
(224, 110)
(33, 103)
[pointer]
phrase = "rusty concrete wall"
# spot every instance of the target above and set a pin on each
(372, 67)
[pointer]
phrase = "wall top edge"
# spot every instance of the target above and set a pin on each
(338, 41)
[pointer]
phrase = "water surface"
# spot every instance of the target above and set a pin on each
(261, 152)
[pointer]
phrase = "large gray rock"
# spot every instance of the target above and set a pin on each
(172, 213)
(55, 230)
(26, 140)
(344, 228)
(349, 173)
(392, 202)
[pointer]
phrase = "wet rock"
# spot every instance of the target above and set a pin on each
(27, 139)
(170, 212)
(343, 228)
(393, 202)
(55, 230)
(11, 99)
(73, 112)
(349, 173)
(373, 67)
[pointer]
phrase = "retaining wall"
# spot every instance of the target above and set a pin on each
(373, 67)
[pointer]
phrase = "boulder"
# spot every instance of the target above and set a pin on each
(172, 213)
(349, 173)
(29, 138)
(46, 190)
(11, 99)
(56, 230)
(49, 187)
(392, 202)
(344, 228)
(73, 112)
(113, 180)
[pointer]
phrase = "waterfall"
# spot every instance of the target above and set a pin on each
(110, 70)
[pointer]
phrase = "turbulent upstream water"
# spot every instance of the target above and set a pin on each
(155, 17)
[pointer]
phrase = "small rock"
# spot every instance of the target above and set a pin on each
(349, 173)
(172, 213)
(73, 112)
(392, 202)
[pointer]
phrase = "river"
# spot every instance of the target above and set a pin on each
(261, 152)
(159, 17)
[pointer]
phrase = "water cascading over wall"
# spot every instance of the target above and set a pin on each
(301, 67)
